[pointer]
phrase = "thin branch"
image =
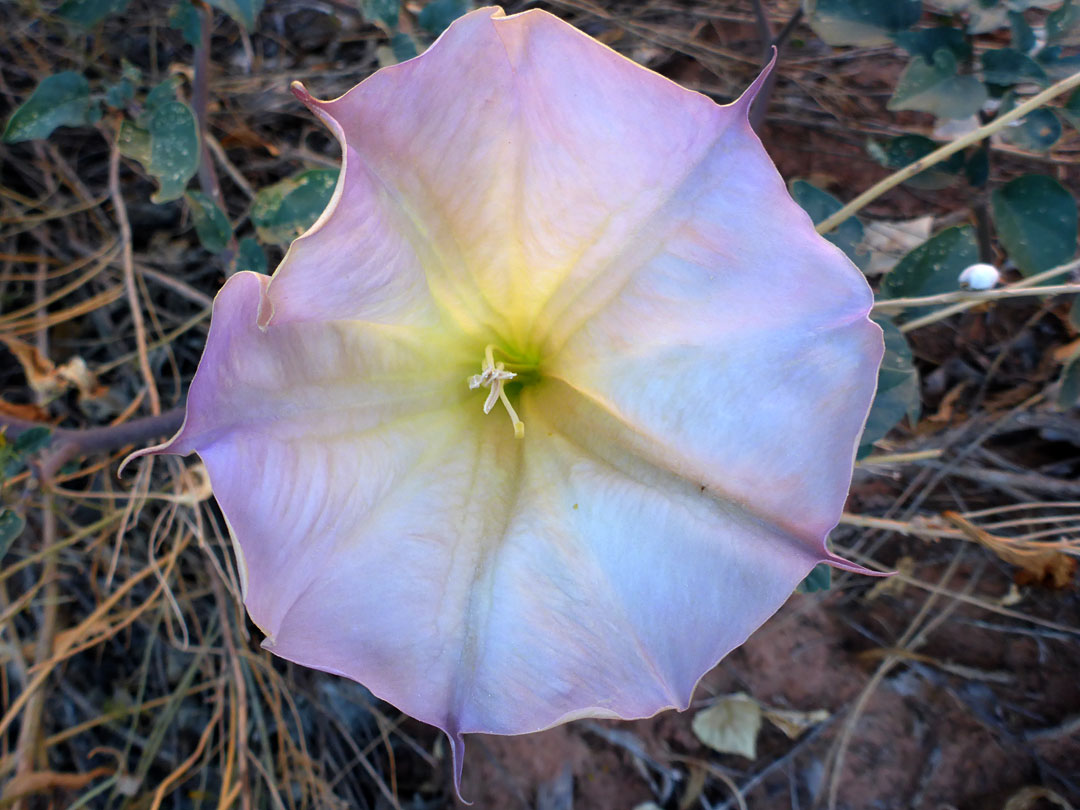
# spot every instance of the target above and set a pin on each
(1030, 281)
(938, 155)
(68, 443)
(129, 275)
(972, 297)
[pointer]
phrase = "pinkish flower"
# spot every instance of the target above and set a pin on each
(529, 224)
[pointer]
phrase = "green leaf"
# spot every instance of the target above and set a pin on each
(1023, 38)
(1037, 131)
(184, 17)
(168, 150)
(897, 392)
(861, 22)
(134, 142)
(1061, 22)
(62, 100)
(933, 267)
(165, 140)
(285, 210)
(403, 46)
(437, 15)
(1005, 67)
(1036, 222)
(820, 205)
(904, 149)
(28, 442)
(819, 579)
(935, 87)
(119, 95)
(243, 11)
(162, 94)
(249, 256)
(1069, 392)
(32, 441)
(1071, 110)
(11, 526)
(1056, 65)
(211, 224)
(381, 12)
(927, 40)
(89, 13)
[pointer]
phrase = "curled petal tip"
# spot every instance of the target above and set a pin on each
(457, 755)
(836, 561)
(304, 96)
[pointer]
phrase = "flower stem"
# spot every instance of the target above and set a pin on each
(938, 155)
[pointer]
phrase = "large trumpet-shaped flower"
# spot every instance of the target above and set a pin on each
(555, 403)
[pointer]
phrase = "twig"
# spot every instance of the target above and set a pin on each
(200, 94)
(68, 444)
(1030, 281)
(129, 275)
(972, 297)
(938, 155)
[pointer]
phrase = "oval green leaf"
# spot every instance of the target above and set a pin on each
(936, 87)
(285, 210)
(861, 22)
(934, 266)
(211, 225)
(1005, 66)
(1035, 218)
(62, 100)
(89, 13)
(905, 149)
(897, 392)
(249, 256)
(820, 205)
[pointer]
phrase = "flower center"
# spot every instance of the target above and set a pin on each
(493, 376)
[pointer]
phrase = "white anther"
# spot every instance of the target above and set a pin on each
(493, 375)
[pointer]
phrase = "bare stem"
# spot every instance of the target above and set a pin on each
(938, 155)
(129, 275)
(68, 444)
(968, 303)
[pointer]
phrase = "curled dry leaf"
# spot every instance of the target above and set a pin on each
(1046, 568)
(48, 380)
(795, 723)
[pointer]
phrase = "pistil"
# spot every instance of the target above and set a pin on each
(493, 376)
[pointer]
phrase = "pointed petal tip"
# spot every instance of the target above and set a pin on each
(457, 755)
(746, 100)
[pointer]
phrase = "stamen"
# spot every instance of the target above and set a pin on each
(493, 375)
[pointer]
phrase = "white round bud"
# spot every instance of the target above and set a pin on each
(980, 277)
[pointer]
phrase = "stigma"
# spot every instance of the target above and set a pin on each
(493, 376)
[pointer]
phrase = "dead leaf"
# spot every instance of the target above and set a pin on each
(1046, 568)
(795, 723)
(695, 786)
(888, 242)
(730, 725)
(49, 381)
(31, 413)
(1025, 798)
